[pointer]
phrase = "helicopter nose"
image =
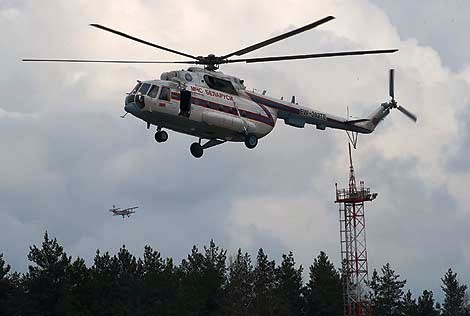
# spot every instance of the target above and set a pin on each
(131, 108)
(134, 102)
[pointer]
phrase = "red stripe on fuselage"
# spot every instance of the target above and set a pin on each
(231, 110)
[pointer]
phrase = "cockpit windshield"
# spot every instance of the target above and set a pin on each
(144, 88)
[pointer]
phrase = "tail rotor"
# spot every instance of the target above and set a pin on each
(393, 104)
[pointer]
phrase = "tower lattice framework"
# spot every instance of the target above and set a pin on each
(353, 244)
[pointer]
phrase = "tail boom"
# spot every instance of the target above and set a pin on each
(374, 118)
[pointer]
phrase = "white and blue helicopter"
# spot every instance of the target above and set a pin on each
(216, 108)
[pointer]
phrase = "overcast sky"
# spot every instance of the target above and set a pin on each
(67, 156)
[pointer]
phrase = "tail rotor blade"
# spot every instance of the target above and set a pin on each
(410, 115)
(392, 83)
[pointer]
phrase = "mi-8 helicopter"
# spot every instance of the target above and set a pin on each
(216, 107)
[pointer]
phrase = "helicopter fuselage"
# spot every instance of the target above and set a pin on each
(214, 106)
(207, 114)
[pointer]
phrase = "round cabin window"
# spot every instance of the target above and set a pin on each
(188, 77)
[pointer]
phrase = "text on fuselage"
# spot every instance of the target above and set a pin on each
(212, 93)
(314, 114)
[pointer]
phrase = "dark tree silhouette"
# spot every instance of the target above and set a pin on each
(426, 305)
(122, 284)
(76, 296)
(104, 285)
(409, 306)
(47, 279)
(387, 292)
(265, 285)
(289, 287)
(203, 280)
(160, 283)
(454, 295)
(6, 288)
(239, 295)
(324, 291)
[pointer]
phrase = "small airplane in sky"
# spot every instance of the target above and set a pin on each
(123, 212)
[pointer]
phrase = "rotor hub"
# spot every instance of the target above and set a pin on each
(211, 62)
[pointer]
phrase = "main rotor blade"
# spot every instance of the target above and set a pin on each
(407, 113)
(141, 41)
(110, 61)
(279, 37)
(321, 55)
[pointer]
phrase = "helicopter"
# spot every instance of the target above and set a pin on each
(117, 211)
(217, 108)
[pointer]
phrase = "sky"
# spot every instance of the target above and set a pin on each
(67, 155)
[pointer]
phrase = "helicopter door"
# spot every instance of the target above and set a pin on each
(164, 97)
(185, 103)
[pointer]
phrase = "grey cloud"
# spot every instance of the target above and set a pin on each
(458, 159)
(414, 224)
(434, 23)
(13, 4)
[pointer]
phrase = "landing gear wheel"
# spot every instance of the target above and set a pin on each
(251, 141)
(196, 150)
(161, 136)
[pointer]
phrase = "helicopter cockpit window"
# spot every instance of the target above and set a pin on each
(220, 84)
(153, 92)
(144, 88)
(165, 94)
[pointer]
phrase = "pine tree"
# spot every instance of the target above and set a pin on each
(160, 284)
(454, 295)
(104, 285)
(239, 294)
(387, 292)
(190, 297)
(129, 282)
(4, 268)
(47, 279)
(17, 302)
(215, 278)
(466, 304)
(5, 286)
(426, 305)
(324, 290)
(289, 287)
(409, 307)
(203, 281)
(264, 285)
(76, 299)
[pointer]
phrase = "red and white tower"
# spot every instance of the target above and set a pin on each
(353, 244)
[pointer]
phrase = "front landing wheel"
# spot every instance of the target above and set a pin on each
(196, 150)
(251, 141)
(161, 136)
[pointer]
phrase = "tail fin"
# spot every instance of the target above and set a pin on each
(375, 117)
(384, 109)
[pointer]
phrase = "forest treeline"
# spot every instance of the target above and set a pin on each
(207, 282)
